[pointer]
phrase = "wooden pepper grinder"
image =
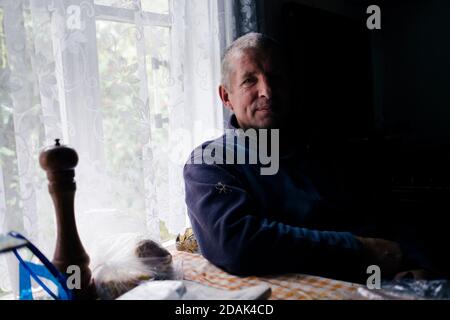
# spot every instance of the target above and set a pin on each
(59, 162)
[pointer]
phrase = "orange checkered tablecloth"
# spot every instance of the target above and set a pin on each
(290, 286)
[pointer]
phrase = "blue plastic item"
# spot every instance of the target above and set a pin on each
(47, 270)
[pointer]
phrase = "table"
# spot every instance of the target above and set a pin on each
(290, 286)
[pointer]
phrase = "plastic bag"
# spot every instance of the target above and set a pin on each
(124, 261)
(407, 289)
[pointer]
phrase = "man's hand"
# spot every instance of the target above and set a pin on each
(383, 253)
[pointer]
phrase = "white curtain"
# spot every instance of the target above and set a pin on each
(131, 85)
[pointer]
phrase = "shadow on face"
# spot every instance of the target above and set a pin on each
(258, 91)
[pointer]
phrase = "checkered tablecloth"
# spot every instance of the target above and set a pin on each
(284, 287)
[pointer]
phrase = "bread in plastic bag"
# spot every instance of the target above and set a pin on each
(121, 252)
(124, 261)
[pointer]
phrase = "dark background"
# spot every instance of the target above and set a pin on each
(372, 107)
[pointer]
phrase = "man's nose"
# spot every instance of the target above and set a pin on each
(265, 88)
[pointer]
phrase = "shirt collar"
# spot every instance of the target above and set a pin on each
(232, 122)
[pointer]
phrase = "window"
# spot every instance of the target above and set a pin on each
(131, 85)
(110, 122)
(96, 75)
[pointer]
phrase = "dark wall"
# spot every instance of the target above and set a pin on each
(415, 70)
(383, 126)
(329, 54)
(410, 62)
(330, 61)
(347, 8)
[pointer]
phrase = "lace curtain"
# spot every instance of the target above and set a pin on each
(131, 85)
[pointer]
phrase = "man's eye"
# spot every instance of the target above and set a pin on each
(248, 81)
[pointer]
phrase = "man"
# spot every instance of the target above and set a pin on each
(252, 224)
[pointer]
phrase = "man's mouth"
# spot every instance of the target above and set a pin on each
(265, 109)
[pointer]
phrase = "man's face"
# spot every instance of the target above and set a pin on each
(257, 92)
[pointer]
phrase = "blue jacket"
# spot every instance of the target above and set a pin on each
(252, 224)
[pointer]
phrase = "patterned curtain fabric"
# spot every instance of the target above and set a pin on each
(132, 86)
(246, 16)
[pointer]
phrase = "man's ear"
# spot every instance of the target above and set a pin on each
(225, 97)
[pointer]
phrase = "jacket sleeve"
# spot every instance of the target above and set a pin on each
(234, 236)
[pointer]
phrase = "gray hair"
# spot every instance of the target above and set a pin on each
(250, 41)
